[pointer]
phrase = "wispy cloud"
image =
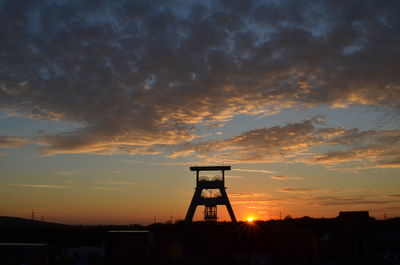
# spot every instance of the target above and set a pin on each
(302, 198)
(188, 163)
(39, 186)
(349, 200)
(126, 183)
(233, 177)
(12, 142)
(66, 172)
(126, 161)
(248, 195)
(298, 190)
(105, 188)
(393, 196)
(258, 202)
(116, 182)
(354, 190)
(285, 178)
(331, 192)
(254, 170)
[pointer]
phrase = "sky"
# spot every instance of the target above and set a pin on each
(104, 105)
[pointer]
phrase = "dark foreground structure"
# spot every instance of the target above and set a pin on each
(351, 238)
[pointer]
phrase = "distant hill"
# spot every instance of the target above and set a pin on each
(14, 229)
(16, 221)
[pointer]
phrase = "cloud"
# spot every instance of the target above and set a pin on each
(233, 177)
(370, 191)
(260, 202)
(393, 196)
(373, 149)
(66, 172)
(38, 186)
(297, 190)
(253, 170)
(305, 142)
(125, 183)
(137, 74)
(13, 142)
(355, 190)
(285, 178)
(248, 195)
(349, 200)
(126, 161)
(304, 197)
(258, 145)
(116, 182)
(105, 188)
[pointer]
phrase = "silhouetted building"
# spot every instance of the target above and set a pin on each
(26, 253)
(85, 255)
(295, 246)
(199, 243)
(388, 245)
(354, 218)
(355, 236)
(127, 247)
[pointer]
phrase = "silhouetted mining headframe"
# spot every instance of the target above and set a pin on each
(203, 183)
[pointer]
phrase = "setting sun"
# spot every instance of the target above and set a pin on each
(250, 219)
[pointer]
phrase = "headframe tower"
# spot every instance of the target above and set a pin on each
(217, 194)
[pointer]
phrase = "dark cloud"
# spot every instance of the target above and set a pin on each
(135, 74)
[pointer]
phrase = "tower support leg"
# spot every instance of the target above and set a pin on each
(193, 205)
(228, 205)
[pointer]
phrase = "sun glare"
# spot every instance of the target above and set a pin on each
(250, 219)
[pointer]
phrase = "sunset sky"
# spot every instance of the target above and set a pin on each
(104, 105)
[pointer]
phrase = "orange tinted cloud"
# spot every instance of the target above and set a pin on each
(302, 142)
(285, 178)
(13, 142)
